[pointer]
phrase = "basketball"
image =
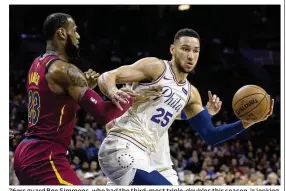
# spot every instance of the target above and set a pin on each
(251, 103)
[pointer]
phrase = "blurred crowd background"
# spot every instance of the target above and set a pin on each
(240, 45)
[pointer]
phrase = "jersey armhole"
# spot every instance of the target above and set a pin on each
(189, 93)
(48, 65)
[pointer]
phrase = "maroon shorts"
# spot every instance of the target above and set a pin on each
(43, 162)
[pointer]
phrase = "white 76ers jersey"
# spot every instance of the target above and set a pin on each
(147, 122)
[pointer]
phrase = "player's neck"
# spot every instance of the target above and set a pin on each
(180, 76)
(53, 48)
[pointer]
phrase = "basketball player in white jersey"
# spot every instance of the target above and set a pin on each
(161, 159)
(124, 155)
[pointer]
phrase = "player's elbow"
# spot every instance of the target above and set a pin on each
(210, 137)
(101, 83)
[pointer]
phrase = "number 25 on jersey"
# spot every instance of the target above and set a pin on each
(34, 107)
(162, 117)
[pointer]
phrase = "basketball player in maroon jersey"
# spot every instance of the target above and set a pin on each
(56, 89)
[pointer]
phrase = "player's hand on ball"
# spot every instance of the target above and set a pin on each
(250, 122)
(214, 104)
(91, 78)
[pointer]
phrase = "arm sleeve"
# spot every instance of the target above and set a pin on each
(212, 135)
(102, 111)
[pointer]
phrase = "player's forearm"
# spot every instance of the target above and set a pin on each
(214, 135)
(102, 111)
(107, 83)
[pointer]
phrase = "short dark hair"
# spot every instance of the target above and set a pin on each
(186, 32)
(53, 22)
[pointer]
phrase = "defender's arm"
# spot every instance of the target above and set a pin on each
(63, 77)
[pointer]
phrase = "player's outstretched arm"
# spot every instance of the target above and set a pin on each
(200, 120)
(66, 78)
(146, 69)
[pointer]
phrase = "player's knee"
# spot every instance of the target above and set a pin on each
(149, 178)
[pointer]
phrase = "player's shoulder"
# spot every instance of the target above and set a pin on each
(151, 61)
(154, 60)
(58, 71)
(194, 90)
(59, 65)
(195, 95)
(151, 65)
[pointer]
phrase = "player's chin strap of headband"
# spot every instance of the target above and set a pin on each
(212, 135)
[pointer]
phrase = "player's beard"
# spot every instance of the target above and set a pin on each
(71, 50)
(179, 65)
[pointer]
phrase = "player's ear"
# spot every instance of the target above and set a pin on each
(62, 33)
(172, 49)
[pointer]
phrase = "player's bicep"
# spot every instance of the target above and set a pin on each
(129, 73)
(195, 105)
(63, 77)
(66, 74)
(142, 70)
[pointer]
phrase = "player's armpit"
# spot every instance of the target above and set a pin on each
(195, 105)
(144, 69)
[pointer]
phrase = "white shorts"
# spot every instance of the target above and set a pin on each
(119, 158)
(170, 174)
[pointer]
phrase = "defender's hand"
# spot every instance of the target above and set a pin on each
(122, 95)
(91, 78)
(145, 95)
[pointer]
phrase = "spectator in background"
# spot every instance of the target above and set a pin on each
(272, 179)
(94, 168)
(88, 178)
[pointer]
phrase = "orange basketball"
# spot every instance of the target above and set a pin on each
(251, 102)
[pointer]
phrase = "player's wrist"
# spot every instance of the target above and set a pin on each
(210, 114)
(104, 85)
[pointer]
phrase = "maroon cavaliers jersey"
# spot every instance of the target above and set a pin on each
(50, 116)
